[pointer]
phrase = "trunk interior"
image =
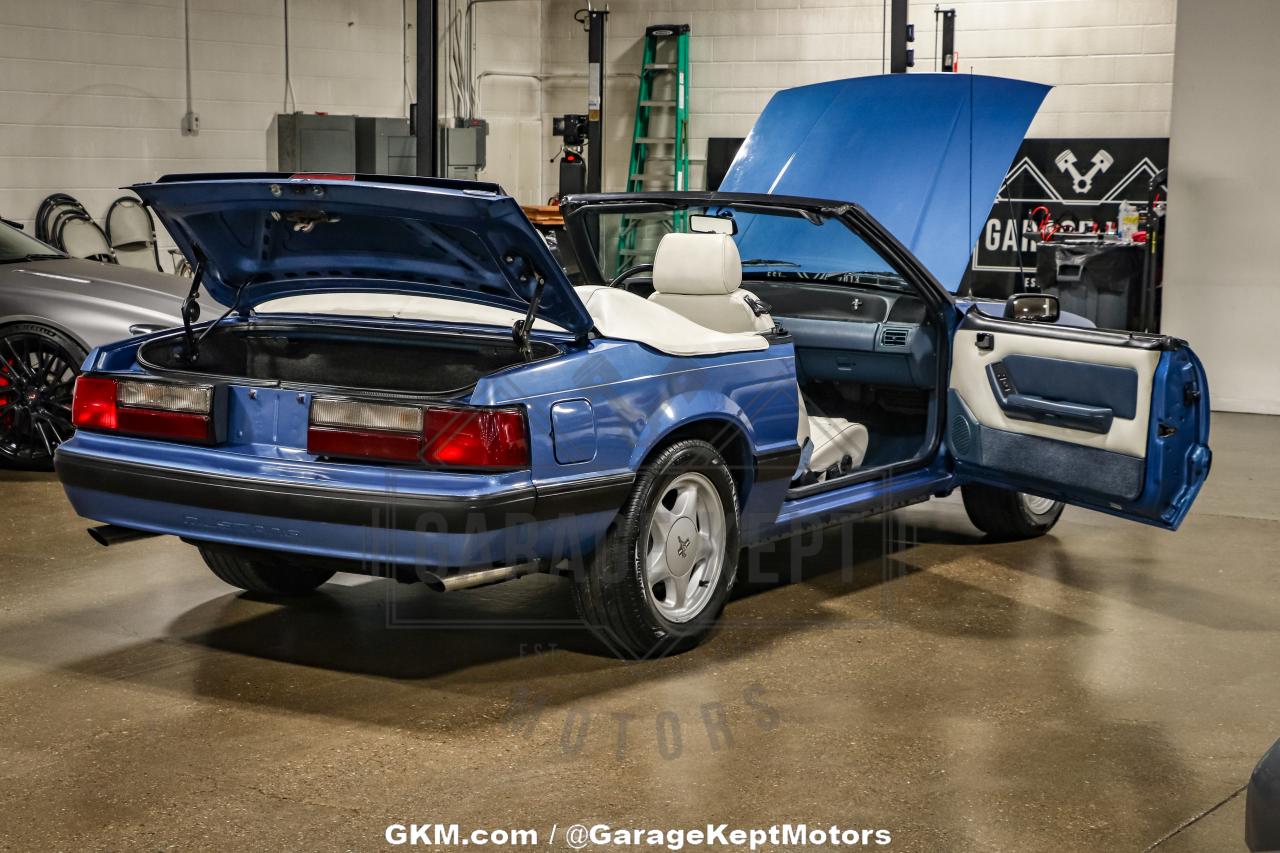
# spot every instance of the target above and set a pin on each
(406, 362)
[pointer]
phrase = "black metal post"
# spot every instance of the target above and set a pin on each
(427, 121)
(595, 97)
(948, 39)
(898, 37)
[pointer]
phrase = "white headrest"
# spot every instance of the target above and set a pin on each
(697, 264)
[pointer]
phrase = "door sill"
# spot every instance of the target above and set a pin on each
(885, 472)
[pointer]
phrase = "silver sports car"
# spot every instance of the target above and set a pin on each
(53, 310)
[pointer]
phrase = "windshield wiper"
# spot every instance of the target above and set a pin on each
(878, 280)
(32, 257)
(768, 262)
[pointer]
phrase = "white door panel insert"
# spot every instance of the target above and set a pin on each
(969, 380)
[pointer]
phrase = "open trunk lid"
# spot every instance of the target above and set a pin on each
(263, 236)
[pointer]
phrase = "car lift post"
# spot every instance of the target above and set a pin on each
(901, 34)
(595, 96)
(949, 58)
(426, 123)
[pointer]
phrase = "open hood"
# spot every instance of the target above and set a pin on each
(923, 153)
(266, 236)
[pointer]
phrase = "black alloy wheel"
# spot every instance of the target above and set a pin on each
(38, 369)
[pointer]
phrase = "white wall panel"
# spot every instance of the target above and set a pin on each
(1110, 61)
(92, 91)
(1221, 291)
(103, 79)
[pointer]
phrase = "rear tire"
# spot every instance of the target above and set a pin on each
(660, 579)
(263, 572)
(1007, 515)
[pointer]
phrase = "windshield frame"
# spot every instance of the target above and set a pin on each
(17, 245)
(578, 223)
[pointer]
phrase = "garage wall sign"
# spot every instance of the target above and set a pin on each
(1083, 178)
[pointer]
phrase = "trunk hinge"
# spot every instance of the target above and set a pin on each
(520, 329)
(191, 310)
(191, 313)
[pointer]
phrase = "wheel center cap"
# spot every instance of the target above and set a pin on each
(32, 396)
(682, 546)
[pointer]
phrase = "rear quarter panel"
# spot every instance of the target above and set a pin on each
(639, 397)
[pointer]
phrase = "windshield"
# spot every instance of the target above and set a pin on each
(773, 245)
(17, 246)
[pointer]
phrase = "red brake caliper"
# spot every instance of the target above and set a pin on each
(6, 418)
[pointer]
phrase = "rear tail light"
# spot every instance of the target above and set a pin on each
(148, 409)
(436, 436)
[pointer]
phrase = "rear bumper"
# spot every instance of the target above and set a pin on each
(506, 525)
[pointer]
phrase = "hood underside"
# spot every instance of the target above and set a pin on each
(260, 237)
(923, 153)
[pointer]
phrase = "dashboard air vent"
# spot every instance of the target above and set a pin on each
(894, 336)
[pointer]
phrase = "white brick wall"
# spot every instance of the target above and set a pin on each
(1110, 61)
(92, 91)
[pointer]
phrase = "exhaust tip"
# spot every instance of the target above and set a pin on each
(433, 581)
(448, 582)
(107, 535)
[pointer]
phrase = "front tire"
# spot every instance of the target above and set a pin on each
(263, 572)
(38, 369)
(659, 581)
(1007, 515)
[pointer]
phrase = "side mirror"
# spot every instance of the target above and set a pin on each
(702, 223)
(1032, 308)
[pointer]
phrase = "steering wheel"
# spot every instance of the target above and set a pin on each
(629, 272)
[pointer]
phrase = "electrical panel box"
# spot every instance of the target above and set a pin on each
(306, 142)
(384, 146)
(464, 150)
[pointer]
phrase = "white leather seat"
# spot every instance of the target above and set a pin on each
(836, 441)
(698, 277)
(628, 317)
(828, 443)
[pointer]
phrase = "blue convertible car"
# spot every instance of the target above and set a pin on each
(407, 381)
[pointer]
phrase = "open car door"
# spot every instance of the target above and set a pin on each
(1112, 421)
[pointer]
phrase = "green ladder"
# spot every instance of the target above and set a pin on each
(659, 139)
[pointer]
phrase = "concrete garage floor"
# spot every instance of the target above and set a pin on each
(1094, 690)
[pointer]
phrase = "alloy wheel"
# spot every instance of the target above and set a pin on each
(1037, 505)
(683, 552)
(37, 379)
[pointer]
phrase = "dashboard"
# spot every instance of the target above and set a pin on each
(844, 332)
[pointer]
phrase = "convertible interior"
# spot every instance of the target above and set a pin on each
(865, 349)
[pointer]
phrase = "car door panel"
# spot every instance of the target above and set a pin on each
(1111, 421)
(1100, 385)
(970, 377)
(1020, 459)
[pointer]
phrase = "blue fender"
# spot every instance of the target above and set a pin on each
(685, 409)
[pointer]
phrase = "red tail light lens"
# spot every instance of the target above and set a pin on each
(364, 444)
(179, 426)
(454, 437)
(475, 438)
(148, 409)
(93, 405)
